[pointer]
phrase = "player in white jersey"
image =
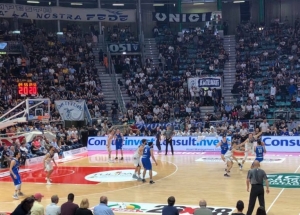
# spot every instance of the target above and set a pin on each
(137, 160)
(48, 167)
(110, 139)
(229, 158)
(249, 147)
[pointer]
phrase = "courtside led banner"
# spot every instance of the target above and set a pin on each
(188, 143)
(66, 13)
(282, 143)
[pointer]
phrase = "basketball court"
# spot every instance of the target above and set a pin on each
(188, 176)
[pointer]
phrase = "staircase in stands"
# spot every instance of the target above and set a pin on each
(107, 89)
(229, 70)
(150, 50)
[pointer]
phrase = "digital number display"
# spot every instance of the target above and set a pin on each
(27, 89)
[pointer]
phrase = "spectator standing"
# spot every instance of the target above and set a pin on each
(102, 208)
(5, 159)
(239, 207)
(53, 208)
(203, 210)
(37, 208)
(69, 208)
(264, 126)
(84, 208)
(256, 177)
(170, 209)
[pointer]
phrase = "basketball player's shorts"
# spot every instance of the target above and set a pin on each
(250, 148)
(119, 146)
(17, 181)
(147, 163)
(137, 161)
(259, 159)
(228, 157)
(48, 166)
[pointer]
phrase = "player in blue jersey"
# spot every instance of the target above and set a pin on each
(224, 144)
(260, 149)
(119, 143)
(14, 173)
(147, 153)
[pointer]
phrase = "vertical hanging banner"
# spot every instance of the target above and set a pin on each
(181, 17)
(216, 16)
(70, 110)
(66, 13)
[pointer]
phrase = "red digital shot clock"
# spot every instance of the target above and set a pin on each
(27, 89)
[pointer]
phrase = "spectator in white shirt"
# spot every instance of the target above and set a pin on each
(264, 126)
(243, 133)
(156, 110)
(251, 95)
(150, 86)
(188, 109)
(238, 124)
(249, 107)
(45, 59)
(273, 91)
(19, 61)
(53, 208)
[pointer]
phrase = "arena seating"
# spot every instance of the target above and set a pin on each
(118, 34)
(62, 65)
(160, 94)
(267, 68)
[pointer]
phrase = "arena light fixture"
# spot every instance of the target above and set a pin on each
(238, 2)
(120, 5)
(33, 2)
(200, 3)
(76, 3)
(158, 5)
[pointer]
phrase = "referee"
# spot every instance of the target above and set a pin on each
(169, 135)
(256, 177)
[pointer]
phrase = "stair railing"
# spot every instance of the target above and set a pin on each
(116, 86)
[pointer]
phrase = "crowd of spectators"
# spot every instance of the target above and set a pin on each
(117, 34)
(160, 93)
(267, 70)
(60, 138)
(63, 66)
(33, 205)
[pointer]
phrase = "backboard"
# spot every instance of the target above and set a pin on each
(38, 109)
(33, 110)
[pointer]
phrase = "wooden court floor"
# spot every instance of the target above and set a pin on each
(179, 175)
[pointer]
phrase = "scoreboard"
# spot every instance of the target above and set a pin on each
(27, 89)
